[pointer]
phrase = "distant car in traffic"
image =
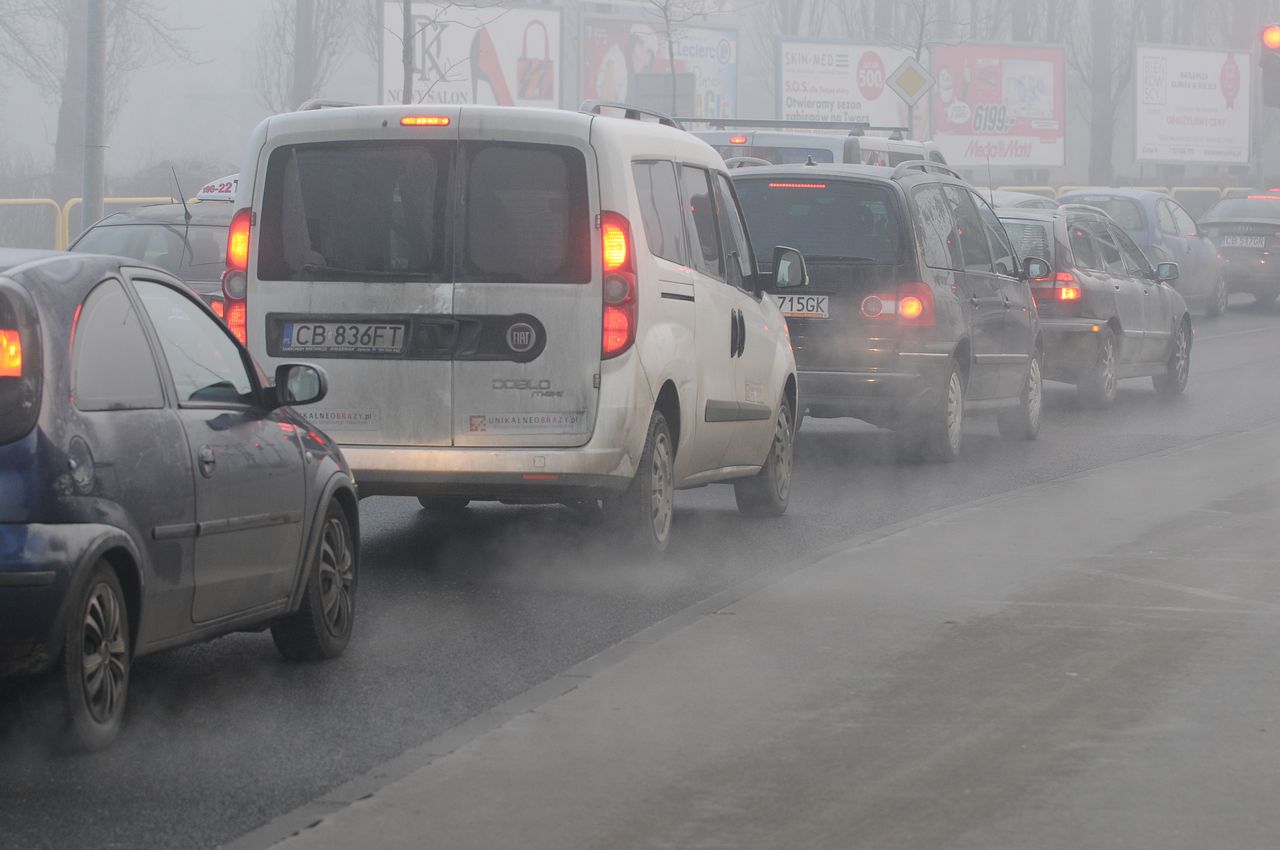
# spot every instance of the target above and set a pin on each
(796, 147)
(1001, 199)
(1105, 312)
(1165, 232)
(155, 490)
(919, 311)
(1247, 232)
(187, 240)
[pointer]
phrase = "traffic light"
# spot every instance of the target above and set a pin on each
(1270, 62)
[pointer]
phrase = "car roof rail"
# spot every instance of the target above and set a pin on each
(319, 103)
(745, 162)
(923, 165)
(630, 111)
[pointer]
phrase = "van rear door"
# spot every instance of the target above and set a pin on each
(354, 270)
(526, 298)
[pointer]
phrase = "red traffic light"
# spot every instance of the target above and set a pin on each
(1271, 36)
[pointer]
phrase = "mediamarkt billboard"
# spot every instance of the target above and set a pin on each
(1192, 105)
(999, 104)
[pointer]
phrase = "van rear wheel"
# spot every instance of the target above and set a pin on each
(645, 510)
(768, 492)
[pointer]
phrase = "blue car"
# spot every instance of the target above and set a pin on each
(1166, 233)
(155, 491)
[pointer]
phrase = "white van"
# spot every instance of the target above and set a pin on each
(518, 304)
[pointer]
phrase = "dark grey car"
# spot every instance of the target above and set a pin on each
(154, 489)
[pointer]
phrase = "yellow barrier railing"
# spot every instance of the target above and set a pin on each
(41, 202)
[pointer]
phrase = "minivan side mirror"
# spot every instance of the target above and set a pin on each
(1167, 272)
(1034, 268)
(789, 270)
(298, 384)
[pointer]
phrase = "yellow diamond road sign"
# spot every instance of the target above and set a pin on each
(910, 81)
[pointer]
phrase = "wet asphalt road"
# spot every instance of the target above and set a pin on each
(459, 614)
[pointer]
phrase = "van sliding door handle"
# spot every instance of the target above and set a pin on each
(742, 332)
(733, 333)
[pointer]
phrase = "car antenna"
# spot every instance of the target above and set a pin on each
(186, 212)
(809, 160)
(991, 184)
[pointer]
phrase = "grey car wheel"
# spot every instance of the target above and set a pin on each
(1023, 422)
(1097, 387)
(1218, 300)
(321, 627)
(96, 660)
(1174, 381)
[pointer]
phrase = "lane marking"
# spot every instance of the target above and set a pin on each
(1163, 609)
(1182, 588)
(1199, 338)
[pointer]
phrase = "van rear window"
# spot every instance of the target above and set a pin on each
(356, 210)
(527, 214)
(822, 218)
(1030, 238)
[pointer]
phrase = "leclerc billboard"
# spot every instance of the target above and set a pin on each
(835, 81)
(1000, 105)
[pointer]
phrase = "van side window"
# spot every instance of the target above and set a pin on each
(700, 221)
(734, 234)
(660, 209)
(969, 229)
(1001, 250)
(526, 218)
(936, 229)
(1082, 247)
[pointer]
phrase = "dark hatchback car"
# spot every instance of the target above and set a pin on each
(1166, 233)
(1105, 312)
(918, 310)
(1247, 232)
(154, 490)
(192, 250)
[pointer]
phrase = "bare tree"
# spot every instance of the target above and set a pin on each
(43, 41)
(675, 14)
(1100, 51)
(302, 44)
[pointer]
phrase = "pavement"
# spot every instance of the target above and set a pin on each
(1086, 662)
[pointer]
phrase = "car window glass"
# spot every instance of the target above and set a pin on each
(1164, 216)
(112, 365)
(936, 229)
(660, 209)
(1124, 211)
(969, 230)
(154, 244)
(1107, 249)
(700, 221)
(1001, 251)
(1031, 238)
(527, 217)
(824, 220)
(1134, 261)
(1083, 251)
(738, 255)
(206, 365)
(1185, 224)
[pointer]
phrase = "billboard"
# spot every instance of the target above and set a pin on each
(629, 62)
(1000, 105)
(1192, 105)
(836, 81)
(462, 54)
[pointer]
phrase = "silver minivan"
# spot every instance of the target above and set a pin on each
(518, 304)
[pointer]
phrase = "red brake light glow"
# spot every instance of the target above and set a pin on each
(424, 121)
(1271, 36)
(1263, 198)
(1067, 288)
(910, 308)
(238, 240)
(621, 307)
(237, 319)
(912, 305)
(10, 353)
(737, 140)
(218, 309)
(797, 185)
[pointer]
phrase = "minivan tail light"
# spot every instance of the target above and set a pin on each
(1066, 287)
(10, 353)
(621, 307)
(911, 306)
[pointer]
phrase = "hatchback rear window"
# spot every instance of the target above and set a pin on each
(823, 219)
(195, 252)
(356, 210)
(1030, 238)
(1264, 208)
(1123, 211)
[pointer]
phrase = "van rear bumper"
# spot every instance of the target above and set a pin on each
(532, 475)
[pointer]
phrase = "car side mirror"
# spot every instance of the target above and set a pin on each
(1034, 268)
(1167, 272)
(789, 270)
(299, 384)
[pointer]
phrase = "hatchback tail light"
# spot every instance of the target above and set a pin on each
(21, 367)
(235, 280)
(621, 302)
(10, 353)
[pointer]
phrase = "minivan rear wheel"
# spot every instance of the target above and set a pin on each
(1023, 422)
(1097, 386)
(768, 492)
(937, 435)
(644, 512)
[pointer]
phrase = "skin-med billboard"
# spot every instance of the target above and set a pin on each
(835, 81)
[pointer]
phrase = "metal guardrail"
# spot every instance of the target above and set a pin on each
(41, 202)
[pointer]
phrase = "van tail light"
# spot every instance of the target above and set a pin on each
(911, 306)
(10, 353)
(235, 280)
(621, 307)
(1066, 286)
(218, 307)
